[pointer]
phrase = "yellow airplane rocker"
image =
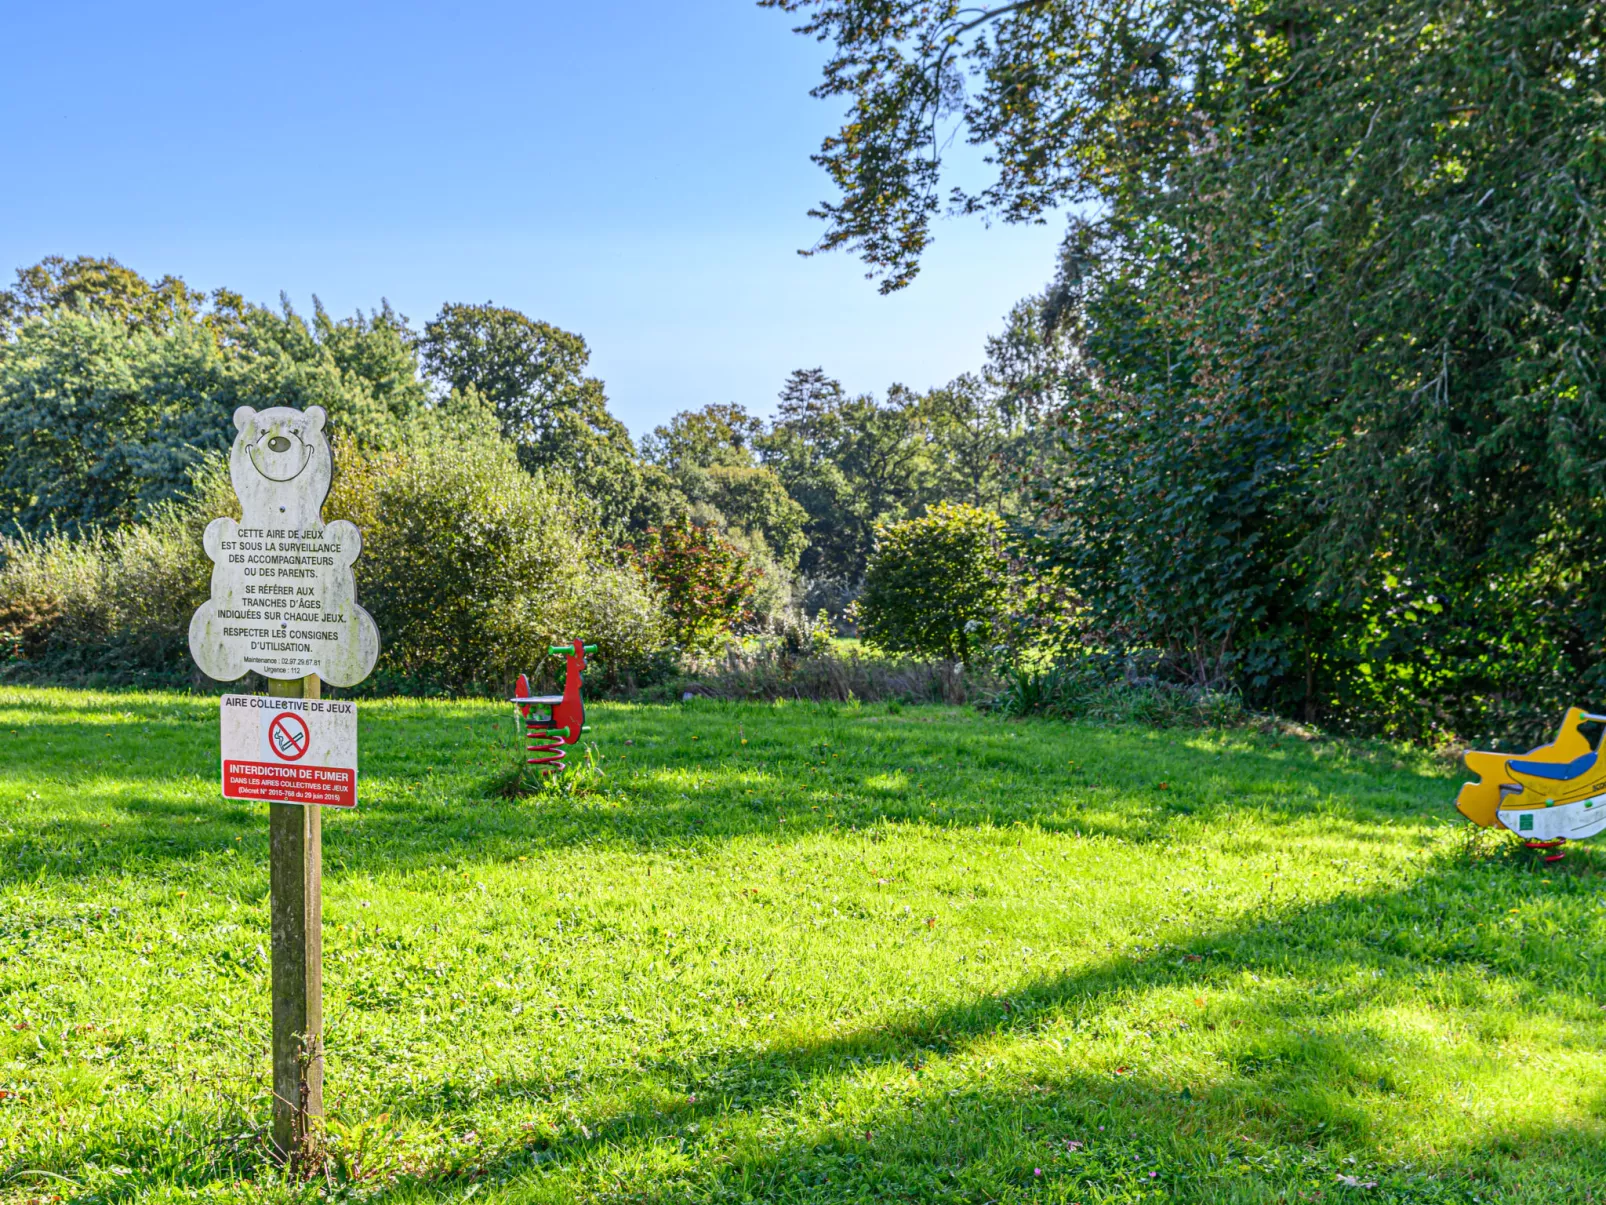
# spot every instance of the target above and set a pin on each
(1547, 796)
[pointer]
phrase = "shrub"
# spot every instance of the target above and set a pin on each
(1118, 690)
(707, 583)
(470, 566)
(112, 606)
(936, 586)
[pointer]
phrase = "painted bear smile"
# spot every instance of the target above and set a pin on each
(279, 458)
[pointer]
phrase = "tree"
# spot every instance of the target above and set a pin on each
(849, 462)
(753, 501)
(705, 462)
(114, 390)
(937, 586)
(1334, 431)
(102, 286)
(533, 375)
(706, 582)
(361, 369)
(98, 423)
(1335, 373)
(526, 369)
(809, 397)
(977, 442)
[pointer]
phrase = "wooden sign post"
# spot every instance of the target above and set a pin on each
(284, 604)
(295, 843)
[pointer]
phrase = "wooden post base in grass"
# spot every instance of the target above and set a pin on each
(296, 855)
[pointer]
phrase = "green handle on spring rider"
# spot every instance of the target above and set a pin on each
(558, 650)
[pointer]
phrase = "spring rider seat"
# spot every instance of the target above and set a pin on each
(1547, 796)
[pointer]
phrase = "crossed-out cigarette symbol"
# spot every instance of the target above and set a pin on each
(288, 736)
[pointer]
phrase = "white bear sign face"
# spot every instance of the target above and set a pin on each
(280, 456)
(283, 599)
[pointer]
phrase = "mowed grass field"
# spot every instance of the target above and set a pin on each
(796, 953)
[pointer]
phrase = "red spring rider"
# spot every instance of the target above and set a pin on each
(547, 735)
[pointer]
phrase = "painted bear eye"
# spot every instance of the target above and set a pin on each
(279, 444)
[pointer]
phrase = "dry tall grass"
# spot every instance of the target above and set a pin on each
(767, 672)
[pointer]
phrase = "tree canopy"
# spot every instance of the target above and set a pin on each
(1332, 431)
(114, 390)
(533, 374)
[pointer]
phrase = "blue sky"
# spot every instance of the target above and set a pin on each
(637, 172)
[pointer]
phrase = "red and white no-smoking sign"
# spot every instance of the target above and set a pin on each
(290, 750)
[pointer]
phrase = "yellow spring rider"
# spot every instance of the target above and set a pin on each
(1547, 796)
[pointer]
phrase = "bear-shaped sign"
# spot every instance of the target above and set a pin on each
(283, 599)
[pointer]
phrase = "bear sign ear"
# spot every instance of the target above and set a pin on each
(242, 416)
(315, 416)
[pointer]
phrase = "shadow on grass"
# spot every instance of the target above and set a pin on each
(1299, 1094)
(985, 1099)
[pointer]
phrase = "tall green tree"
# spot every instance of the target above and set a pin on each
(113, 390)
(103, 286)
(850, 462)
(705, 463)
(99, 423)
(534, 375)
(1336, 431)
(1071, 100)
(718, 434)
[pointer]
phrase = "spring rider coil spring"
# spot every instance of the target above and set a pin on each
(546, 746)
(547, 736)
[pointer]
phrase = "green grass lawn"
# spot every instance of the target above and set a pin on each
(796, 953)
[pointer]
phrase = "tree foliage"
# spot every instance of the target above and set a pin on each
(937, 586)
(850, 462)
(1344, 393)
(1334, 433)
(718, 434)
(704, 463)
(706, 582)
(854, 463)
(103, 286)
(113, 391)
(534, 375)
(1073, 100)
(472, 566)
